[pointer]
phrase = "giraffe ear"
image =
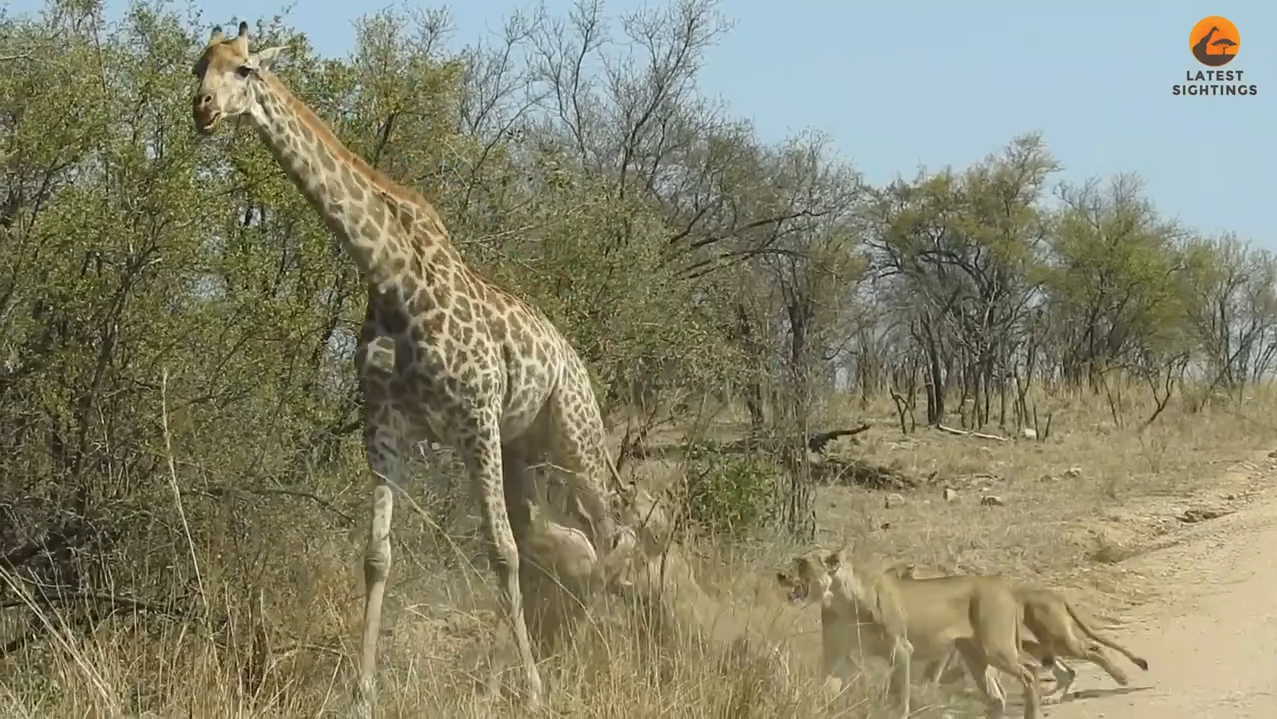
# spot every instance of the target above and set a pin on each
(264, 59)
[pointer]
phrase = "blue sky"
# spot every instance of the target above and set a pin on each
(940, 83)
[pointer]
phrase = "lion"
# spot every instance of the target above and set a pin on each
(561, 573)
(1050, 618)
(900, 619)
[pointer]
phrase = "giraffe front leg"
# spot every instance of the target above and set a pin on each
(387, 457)
(481, 448)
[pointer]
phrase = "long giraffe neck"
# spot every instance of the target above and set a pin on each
(385, 227)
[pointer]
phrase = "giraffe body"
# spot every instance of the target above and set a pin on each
(444, 354)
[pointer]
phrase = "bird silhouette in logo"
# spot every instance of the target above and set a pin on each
(1205, 57)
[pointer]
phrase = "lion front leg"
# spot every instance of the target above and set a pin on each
(838, 643)
(901, 659)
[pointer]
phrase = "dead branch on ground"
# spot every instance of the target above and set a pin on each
(970, 433)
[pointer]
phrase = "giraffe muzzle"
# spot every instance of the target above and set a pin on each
(205, 116)
(207, 127)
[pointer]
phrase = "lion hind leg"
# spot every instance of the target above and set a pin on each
(1007, 659)
(1064, 676)
(983, 675)
(1068, 644)
(1097, 656)
(1000, 636)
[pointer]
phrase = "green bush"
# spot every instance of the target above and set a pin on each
(729, 492)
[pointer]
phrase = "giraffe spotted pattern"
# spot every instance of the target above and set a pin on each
(444, 354)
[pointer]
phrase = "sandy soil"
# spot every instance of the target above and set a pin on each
(1210, 639)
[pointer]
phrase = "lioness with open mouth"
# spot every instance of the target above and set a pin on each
(900, 619)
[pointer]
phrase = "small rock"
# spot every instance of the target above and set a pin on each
(991, 500)
(950, 494)
(1073, 473)
(1201, 514)
(893, 500)
(1029, 433)
(1047, 478)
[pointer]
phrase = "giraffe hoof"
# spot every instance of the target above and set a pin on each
(365, 697)
(360, 708)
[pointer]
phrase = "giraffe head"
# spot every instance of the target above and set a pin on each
(228, 73)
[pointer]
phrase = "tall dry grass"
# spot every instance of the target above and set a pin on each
(269, 624)
(728, 651)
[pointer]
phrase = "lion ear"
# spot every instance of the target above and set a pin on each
(834, 560)
(782, 578)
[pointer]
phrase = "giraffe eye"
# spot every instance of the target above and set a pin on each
(243, 71)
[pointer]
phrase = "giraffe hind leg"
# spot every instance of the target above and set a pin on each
(578, 452)
(480, 446)
(546, 602)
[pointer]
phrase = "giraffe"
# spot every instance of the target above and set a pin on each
(444, 355)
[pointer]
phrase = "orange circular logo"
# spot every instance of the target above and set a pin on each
(1214, 41)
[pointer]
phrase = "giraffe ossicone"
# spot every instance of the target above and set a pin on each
(444, 354)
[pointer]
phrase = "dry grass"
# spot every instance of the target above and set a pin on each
(1075, 504)
(278, 635)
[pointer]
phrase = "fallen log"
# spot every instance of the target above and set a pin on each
(859, 473)
(817, 442)
(970, 433)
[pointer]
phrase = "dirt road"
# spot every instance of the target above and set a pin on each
(1211, 642)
